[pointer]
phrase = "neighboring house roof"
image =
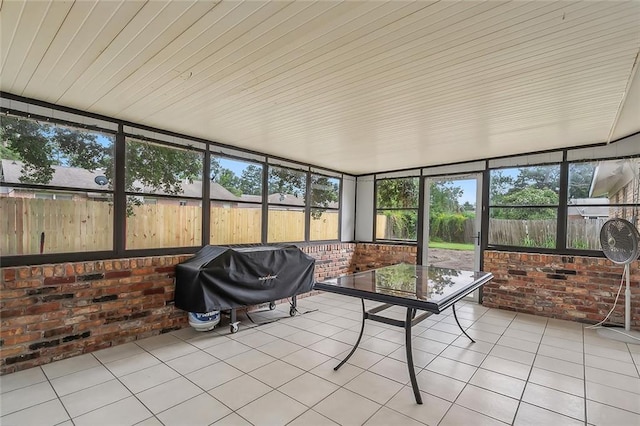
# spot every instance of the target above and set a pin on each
(577, 208)
(278, 198)
(251, 198)
(220, 192)
(79, 178)
(291, 200)
(71, 177)
(611, 176)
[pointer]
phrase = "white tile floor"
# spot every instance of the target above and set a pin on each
(522, 370)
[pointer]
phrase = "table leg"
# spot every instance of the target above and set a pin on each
(458, 322)
(364, 316)
(411, 313)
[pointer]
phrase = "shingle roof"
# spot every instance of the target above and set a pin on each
(79, 178)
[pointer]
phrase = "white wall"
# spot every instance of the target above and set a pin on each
(364, 208)
(348, 208)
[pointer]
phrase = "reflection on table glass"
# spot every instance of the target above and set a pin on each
(427, 283)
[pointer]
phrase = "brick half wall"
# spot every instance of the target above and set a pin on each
(371, 256)
(52, 312)
(574, 288)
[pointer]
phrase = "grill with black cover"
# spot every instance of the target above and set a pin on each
(225, 278)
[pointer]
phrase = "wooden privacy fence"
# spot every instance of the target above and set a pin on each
(235, 226)
(87, 225)
(385, 230)
(581, 233)
(585, 233)
(164, 225)
(527, 233)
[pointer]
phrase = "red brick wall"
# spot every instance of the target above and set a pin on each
(51, 312)
(567, 287)
(332, 260)
(369, 256)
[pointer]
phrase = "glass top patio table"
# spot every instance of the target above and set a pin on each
(428, 288)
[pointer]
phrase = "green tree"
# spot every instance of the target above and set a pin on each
(251, 180)
(539, 177)
(149, 167)
(524, 197)
(499, 185)
(157, 168)
(324, 191)
(580, 177)
(443, 197)
(228, 180)
(397, 199)
(531, 186)
(397, 193)
(287, 181)
(41, 146)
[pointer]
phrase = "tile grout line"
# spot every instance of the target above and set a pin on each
(453, 403)
(546, 325)
(584, 375)
(56, 398)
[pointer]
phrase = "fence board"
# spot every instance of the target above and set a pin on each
(324, 227)
(285, 225)
(86, 225)
(526, 233)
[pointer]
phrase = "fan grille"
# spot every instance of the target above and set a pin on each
(620, 241)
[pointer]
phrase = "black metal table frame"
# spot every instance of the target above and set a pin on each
(411, 318)
(410, 321)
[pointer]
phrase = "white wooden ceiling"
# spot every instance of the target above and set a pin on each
(353, 86)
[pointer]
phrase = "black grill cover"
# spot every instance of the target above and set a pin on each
(221, 278)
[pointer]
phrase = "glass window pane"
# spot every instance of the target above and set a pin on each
(599, 191)
(604, 182)
(523, 227)
(397, 225)
(324, 224)
(397, 193)
(325, 191)
(287, 186)
(158, 169)
(235, 224)
(41, 221)
(583, 231)
(580, 178)
(163, 222)
(235, 180)
(525, 186)
(285, 224)
(45, 154)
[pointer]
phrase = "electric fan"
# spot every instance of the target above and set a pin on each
(620, 242)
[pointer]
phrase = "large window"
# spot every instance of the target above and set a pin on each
(75, 186)
(287, 202)
(236, 201)
(598, 191)
(56, 193)
(164, 196)
(325, 208)
(397, 209)
(523, 206)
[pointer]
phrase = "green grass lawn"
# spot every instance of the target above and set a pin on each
(451, 246)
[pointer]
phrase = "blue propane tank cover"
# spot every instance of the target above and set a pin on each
(204, 322)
